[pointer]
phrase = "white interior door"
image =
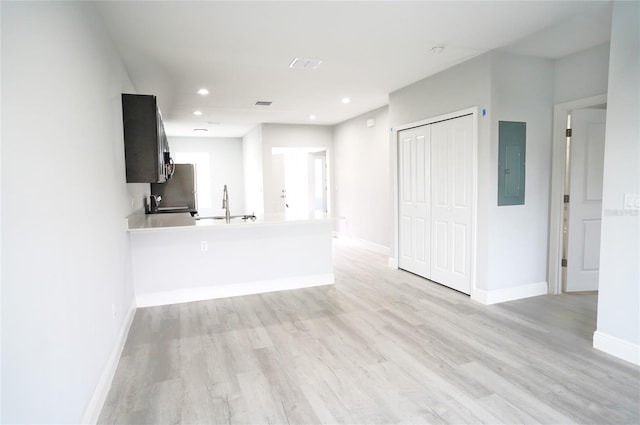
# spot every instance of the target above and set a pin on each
(451, 202)
(585, 199)
(414, 192)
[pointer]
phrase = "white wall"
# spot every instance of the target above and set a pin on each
(582, 74)
(65, 250)
(292, 135)
(361, 170)
(619, 287)
(521, 90)
(225, 165)
(252, 165)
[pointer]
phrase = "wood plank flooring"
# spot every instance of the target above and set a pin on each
(380, 346)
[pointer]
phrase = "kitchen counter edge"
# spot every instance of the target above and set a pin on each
(181, 221)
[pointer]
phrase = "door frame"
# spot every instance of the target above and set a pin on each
(395, 169)
(311, 158)
(558, 172)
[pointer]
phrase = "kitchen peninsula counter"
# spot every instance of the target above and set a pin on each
(159, 222)
(176, 258)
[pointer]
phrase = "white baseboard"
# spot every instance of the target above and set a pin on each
(92, 411)
(617, 347)
(509, 294)
(393, 262)
(371, 246)
(232, 290)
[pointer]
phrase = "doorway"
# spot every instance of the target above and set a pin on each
(560, 188)
(300, 179)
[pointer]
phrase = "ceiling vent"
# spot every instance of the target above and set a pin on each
(263, 103)
(305, 63)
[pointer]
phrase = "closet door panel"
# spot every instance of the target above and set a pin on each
(415, 196)
(451, 143)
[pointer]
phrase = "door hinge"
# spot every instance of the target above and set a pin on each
(564, 262)
(568, 132)
(566, 199)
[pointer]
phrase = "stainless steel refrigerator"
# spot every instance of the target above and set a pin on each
(179, 192)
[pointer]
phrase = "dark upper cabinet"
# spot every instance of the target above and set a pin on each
(146, 148)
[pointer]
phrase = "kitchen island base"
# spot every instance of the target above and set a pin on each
(194, 263)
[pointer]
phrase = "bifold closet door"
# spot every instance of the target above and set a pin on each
(414, 199)
(451, 202)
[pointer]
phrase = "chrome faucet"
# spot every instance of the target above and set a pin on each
(225, 204)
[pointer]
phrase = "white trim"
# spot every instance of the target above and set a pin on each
(617, 347)
(232, 290)
(438, 118)
(94, 407)
(558, 170)
(395, 169)
(509, 294)
(362, 243)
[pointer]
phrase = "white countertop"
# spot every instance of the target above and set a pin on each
(139, 221)
(156, 222)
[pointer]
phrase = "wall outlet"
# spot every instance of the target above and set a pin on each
(113, 311)
(204, 246)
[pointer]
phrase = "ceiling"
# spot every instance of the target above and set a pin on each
(240, 51)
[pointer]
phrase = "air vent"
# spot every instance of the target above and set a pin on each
(263, 103)
(305, 63)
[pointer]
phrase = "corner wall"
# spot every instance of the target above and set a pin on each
(67, 292)
(618, 326)
(361, 169)
(521, 90)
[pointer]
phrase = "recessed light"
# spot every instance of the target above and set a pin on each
(204, 130)
(203, 92)
(312, 117)
(346, 100)
(197, 112)
(436, 50)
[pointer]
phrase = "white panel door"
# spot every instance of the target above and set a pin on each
(585, 196)
(414, 196)
(451, 202)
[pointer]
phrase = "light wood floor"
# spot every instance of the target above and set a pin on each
(380, 346)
